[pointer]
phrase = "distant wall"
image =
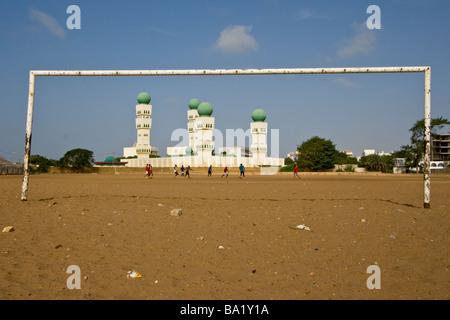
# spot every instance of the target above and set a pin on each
(11, 169)
(440, 171)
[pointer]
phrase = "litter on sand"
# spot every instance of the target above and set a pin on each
(8, 229)
(301, 227)
(176, 212)
(133, 274)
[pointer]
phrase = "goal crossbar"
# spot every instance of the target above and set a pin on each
(205, 72)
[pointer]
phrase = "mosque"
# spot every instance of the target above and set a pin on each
(199, 152)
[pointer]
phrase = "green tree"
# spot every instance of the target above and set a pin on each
(418, 133)
(316, 154)
(375, 162)
(342, 158)
(77, 158)
(42, 164)
(288, 161)
(289, 165)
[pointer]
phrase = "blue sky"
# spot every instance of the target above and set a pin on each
(356, 112)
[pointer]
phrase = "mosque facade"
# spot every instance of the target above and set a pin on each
(200, 151)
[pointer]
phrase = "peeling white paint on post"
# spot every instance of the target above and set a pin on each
(26, 160)
(205, 72)
(427, 141)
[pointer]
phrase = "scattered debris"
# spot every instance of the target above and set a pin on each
(133, 274)
(8, 229)
(399, 210)
(361, 208)
(176, 212)
(160, 205)
(363, 220)
(301, 227)
(392, 237)
(58, 246)
(220, 247)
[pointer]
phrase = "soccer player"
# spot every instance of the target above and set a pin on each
(296, 172)
(147, 171)
(187, 171)
(241, 169)
(209, 171)
(225, 172)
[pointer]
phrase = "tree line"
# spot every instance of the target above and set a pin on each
(319, 154)
(75, 158)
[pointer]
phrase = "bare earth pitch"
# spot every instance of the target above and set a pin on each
(235, 238)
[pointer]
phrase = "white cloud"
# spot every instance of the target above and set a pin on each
(162, 31)
(236, 39)
(346, 83)
(363, 42)
(172, 101)
(304, 14)
(309, 14)
(48, 21)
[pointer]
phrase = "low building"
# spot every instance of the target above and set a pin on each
(348, 153)
(110, 161)
(399, 165)
(7, 167)
(368, 152)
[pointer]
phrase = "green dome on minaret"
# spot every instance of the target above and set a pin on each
(144, 98)
(110, 159)
(258, 115)
(193, 104)
(205, 109)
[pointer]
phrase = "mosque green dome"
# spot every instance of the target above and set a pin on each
(144, 98)
(110, 159)
(193, 104)
(189, 151)
(205, 109)
(258, 115)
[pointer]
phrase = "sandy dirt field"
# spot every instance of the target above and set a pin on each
(235, 239)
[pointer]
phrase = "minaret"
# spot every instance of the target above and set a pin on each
(192, 117)
(203, 131)
(143, 125)
(259, 134)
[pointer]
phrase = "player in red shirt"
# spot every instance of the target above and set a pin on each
(296, 172)
(225, 172)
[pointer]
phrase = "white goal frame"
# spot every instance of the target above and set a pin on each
(204, 72)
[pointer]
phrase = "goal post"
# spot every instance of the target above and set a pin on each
(205, 72)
